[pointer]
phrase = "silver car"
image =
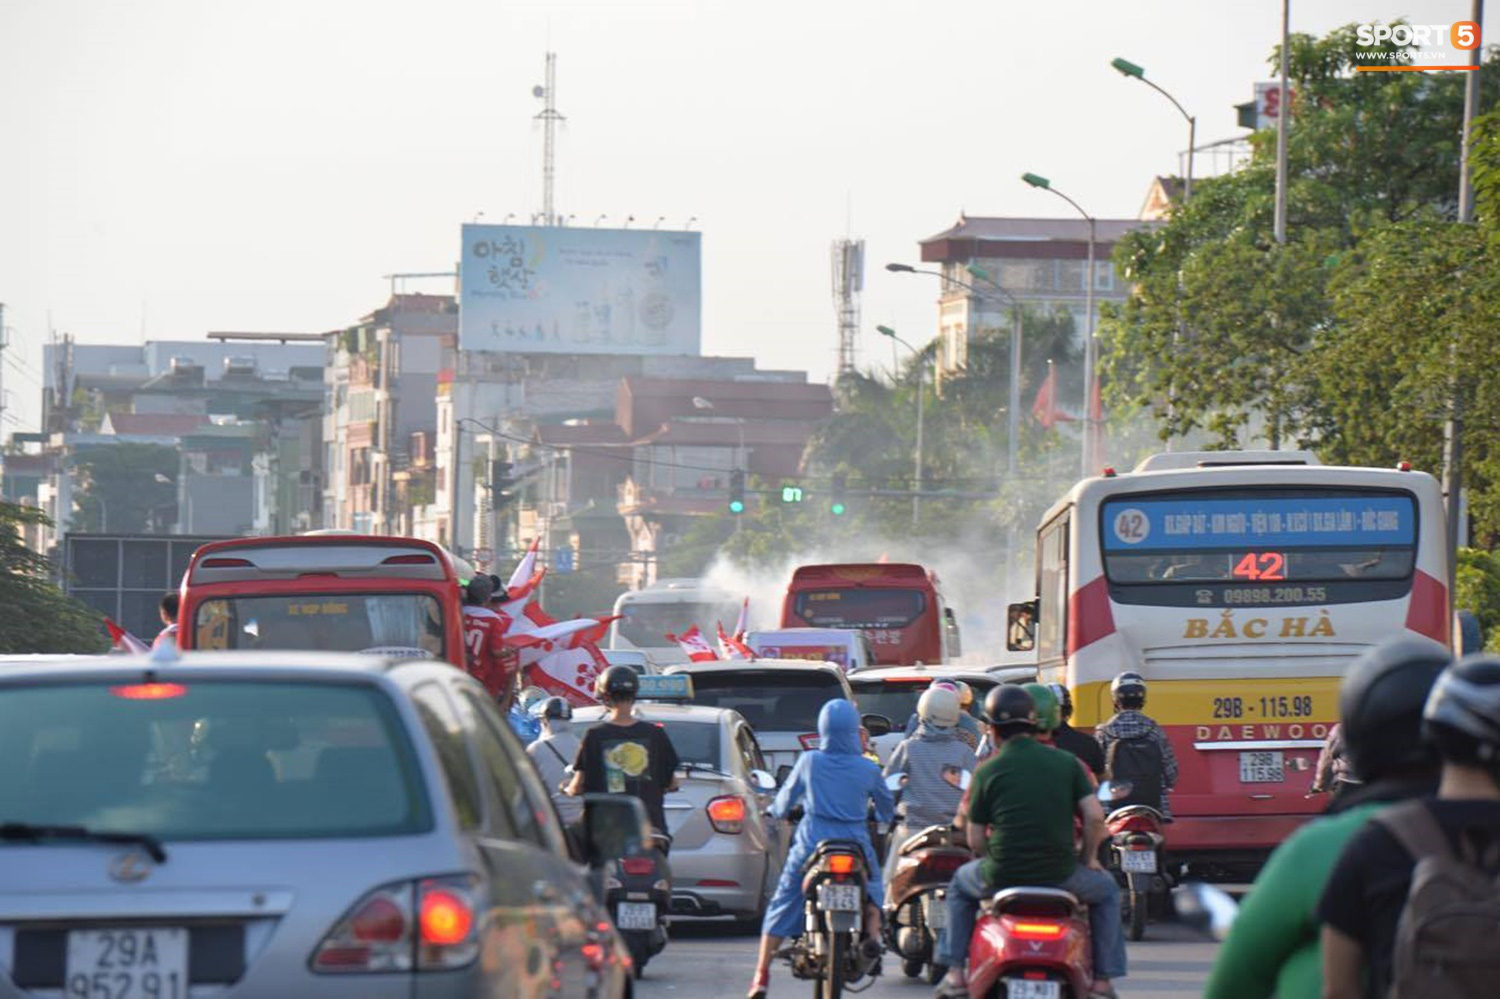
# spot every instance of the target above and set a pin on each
(281, 824)
(726, 854)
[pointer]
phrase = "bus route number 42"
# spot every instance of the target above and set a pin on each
(1261, 566)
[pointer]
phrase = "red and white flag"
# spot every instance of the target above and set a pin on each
(694, 644)
(744, 621)
(124, 640)
(733, 646)
(525, 569)
(569, 673)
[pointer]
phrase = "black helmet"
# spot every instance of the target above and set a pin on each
(1010, 708)
(1462, 718)
(1380, 706)
(617, 682)
(478, 591)
(556, 707)
(1128, 690)
(1064, 699)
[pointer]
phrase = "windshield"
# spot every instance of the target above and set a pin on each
(209, 760)
(1263, 546)
(397, 624)
(860, 608)
(770, 700)
(646, 625)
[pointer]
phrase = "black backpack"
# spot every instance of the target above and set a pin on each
(1137, 761)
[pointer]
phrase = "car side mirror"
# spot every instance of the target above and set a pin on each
(782, 773)
(1020, 626)
(876, 725)
(762, 781)
(895, 782)
(614, 826)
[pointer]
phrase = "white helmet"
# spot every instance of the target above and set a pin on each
(939, 706)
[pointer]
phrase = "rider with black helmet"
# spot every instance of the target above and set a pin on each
(1065, 736)
(1369, 887)
(1136, 750)
(1274, 947)
(623, 754)
(1020, 825)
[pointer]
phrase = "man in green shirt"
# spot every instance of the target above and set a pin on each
(1274, 948)
(1020, 826)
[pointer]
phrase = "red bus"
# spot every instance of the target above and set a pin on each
(898, 607)
(334, 592)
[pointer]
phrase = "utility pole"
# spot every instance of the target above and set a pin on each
(1453, 427)
(549, 116)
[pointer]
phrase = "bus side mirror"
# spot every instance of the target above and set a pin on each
(1020, 626)
(955, 641)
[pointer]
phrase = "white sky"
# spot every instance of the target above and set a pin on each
(180, 166)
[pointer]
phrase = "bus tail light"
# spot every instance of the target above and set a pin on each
(407, 560)
(221, 562)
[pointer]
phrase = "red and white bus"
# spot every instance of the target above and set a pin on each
(1241, 585)
(899, 607)
(339, 592)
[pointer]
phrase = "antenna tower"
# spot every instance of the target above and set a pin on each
(848, 282)
(549, 116)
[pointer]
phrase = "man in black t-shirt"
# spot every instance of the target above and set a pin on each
(624, 755)
(1367, 892)
(1065, 736)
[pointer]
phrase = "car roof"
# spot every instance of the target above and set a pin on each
(757, 665)
(220, 665)
(666, 712)
(921, 673)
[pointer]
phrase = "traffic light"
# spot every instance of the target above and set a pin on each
(736, 491)
(836, 500)
(791, 494)
(502, 482)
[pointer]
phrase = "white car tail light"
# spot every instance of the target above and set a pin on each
(426, 925)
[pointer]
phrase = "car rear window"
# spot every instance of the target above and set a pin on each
(695, 742)
(210, 760)
(897, 699)
(770, 700)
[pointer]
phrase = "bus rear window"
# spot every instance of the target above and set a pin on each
(646, 625)
(393, 624)
(1276, 539)
(860, 608)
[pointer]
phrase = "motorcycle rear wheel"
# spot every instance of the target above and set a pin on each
(831, 984)
(1139, 909)
(911, 967)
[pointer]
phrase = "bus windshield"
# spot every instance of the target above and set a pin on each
(1210, 547)
(646, 625)
(860, 608)
(398, 624)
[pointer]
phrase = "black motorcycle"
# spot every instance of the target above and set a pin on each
(832, 950)
(638, 893)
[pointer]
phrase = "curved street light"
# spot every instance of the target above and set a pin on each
(1128, 68)
(916, 496)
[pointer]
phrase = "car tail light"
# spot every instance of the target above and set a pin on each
(717, 883)
(841, 863)
(376, 935)
(727, 814)
(427, 925)
(149, 691)
(1036, 931)
(809, 740)
(638, 866)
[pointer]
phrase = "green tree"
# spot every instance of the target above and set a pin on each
(124, 476)
(35, 616)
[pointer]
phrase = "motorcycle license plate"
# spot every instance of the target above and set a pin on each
(1262, 768)
(1025, 988)
(839, 898)
(635, 916)
(936, 913)
(1138, 861)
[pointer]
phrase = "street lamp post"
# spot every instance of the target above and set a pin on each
(1090, 349)
(916, 495)
(979, 273)
(1128, 68)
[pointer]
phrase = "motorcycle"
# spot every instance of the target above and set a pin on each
(1135, 845)
(829, 952)
(918, 892)
(639, 894)
(1031, 943)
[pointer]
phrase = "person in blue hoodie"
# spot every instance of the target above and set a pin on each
(835, 785)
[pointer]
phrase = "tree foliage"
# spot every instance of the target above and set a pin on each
(35, 616)
(124, 477)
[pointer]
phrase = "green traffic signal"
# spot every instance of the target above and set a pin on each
(737, 491)
(736, 506)
(837, 509)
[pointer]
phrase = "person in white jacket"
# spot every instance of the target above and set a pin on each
(553, 751)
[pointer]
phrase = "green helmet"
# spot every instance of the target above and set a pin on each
(1048, 711)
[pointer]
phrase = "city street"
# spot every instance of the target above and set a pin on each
(713, 961)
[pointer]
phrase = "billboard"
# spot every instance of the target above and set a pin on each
(558, 290)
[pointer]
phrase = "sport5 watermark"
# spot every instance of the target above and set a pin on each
(1415, 48)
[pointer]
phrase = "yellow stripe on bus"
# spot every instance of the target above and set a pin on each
(1227, 710)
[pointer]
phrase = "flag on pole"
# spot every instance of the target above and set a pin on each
(1044, 407)
(694, 644)
(124, 640)
(526, 569)
(733, 646)
(744, 621)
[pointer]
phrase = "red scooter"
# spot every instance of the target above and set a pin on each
(1031, 943)
(1136, 839)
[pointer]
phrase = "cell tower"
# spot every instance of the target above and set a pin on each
(549, 116)
(848, 282)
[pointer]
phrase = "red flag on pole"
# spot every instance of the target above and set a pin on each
(124, 640)
(1044, 408)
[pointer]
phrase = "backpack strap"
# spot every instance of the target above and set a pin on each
(1414, 827)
